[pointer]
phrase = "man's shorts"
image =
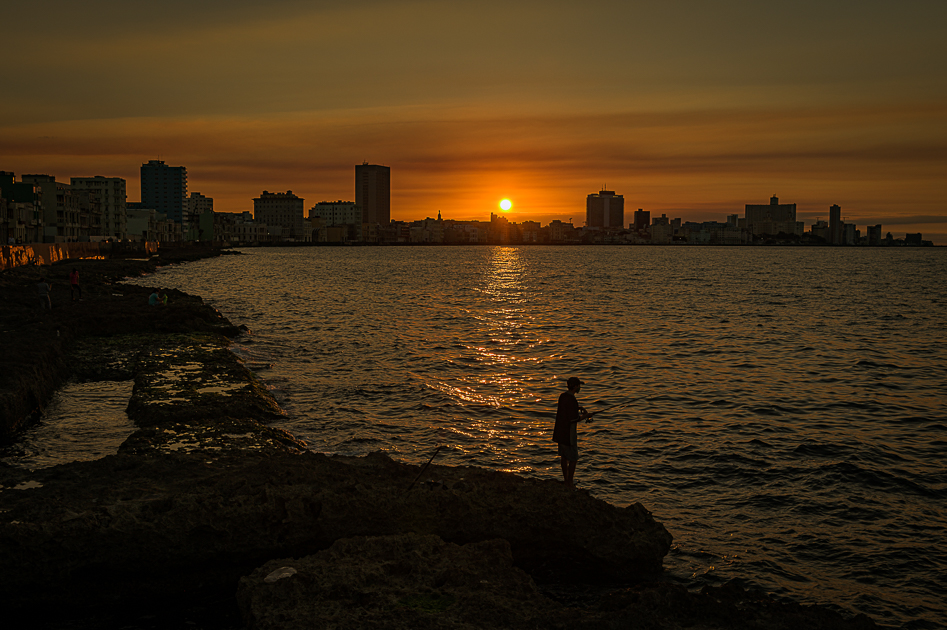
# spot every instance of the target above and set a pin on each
(569, 451)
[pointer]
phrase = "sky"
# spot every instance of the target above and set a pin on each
(689, 108)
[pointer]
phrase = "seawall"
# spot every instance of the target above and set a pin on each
(32, 254)
(36, 342)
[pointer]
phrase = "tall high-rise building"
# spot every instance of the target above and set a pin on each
(605, 210)
(642, 219)
(164, 188)
(373, 193)
(836, 230)
(282, 213)
(110, 193)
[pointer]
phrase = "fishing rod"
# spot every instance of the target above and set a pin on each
(620, 405)
(423, 468)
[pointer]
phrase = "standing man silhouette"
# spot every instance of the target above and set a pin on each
(568, 415)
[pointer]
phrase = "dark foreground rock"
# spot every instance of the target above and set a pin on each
(137, 527)
(421, 582)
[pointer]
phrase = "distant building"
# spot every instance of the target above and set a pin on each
(198, 206)
(336, 214)
(605, 210)
(712, 233)
(110, 194)
(283, 214)
(850, 234)
(560, 232)
(836, 231)
(21, 211)
(147, 224)
(233, 227)
(373, 193)
(661, 230)
(874, 235)
(61, 222)
(164, 189)
(773, 219)
(642, 220)
(820, 229)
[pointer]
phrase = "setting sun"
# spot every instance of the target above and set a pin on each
(505, 205)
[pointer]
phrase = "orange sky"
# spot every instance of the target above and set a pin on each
(689, 108)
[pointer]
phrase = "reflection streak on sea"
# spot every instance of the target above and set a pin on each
(792, 423)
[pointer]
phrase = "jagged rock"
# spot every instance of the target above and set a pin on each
(420, 582)
(162, 524)
(402, 581)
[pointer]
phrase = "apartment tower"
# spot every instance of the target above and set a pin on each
(373, 193)
(605, 210)
(110, 193)
(164, 189)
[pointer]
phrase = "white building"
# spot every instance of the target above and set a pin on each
(337, 212)
(197, 205)
(110, 193)
(282, 213)
(61, 223)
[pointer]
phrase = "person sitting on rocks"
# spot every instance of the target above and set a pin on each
(153, 298)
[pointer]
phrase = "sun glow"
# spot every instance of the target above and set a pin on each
(505, 205)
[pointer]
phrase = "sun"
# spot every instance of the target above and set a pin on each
(505, 205)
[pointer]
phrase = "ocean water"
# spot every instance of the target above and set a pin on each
(784, 409)
(82, 422)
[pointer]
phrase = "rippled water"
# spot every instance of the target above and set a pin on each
(791, 429)
(83, 422)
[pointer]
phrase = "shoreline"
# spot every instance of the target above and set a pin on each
(202, 500)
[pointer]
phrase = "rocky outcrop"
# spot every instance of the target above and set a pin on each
(414, 582)
(166, 523)
(402, 581)
(39, 346)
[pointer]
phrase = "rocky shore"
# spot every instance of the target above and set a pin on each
(209, 518)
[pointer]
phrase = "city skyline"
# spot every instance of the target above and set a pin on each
(685, 109)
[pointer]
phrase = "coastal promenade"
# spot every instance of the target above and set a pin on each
(208, 517)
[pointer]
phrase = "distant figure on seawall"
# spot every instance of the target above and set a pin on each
(74, 285)
(568, 415)
(42, 290)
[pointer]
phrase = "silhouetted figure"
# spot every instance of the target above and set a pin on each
(568, 415)
(42, 290)
(74, 285)
(153, 299)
